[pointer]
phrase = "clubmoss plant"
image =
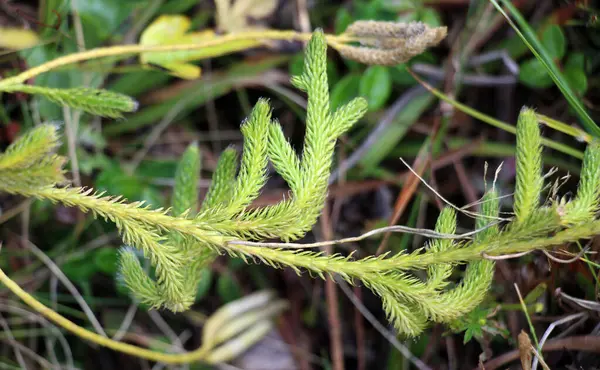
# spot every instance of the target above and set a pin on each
(181, 241)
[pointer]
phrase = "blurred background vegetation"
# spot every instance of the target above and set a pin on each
(482, 63)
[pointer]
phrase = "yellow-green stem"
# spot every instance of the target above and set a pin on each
(500, 124)
(197, 355)
(408, 261)
(333, 40)
(417, 260)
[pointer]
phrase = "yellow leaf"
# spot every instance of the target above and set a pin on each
(254, 8)
(235, 18)
(165, 29)
(171, 30)
(15, 38)
(183, 70)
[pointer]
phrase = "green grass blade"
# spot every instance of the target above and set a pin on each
(558, 146)
(530, 39)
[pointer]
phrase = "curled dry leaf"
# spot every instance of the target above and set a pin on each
(525, 350)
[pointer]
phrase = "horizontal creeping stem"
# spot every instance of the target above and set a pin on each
(321, 264)
(333, 40)
(197, 355)
(200, 231)
(416, 260)
(171, 242)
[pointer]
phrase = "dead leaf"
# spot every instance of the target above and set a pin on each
(525, 350)
(236, 17)
(17, 38)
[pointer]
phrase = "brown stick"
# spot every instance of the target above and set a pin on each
(586, 343)
(331, 296)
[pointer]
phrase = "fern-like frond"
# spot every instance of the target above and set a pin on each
(252, 175)
(529, 182)
(446, 223)
(308, 177)
(478, 274)
(179, 246)
(200, 257)
(222, 182)
(163, 293)
(141, 286)
(185, 199)
(46, 172)
(585, 206)
(406, 318)
(347, 115)
(116, 209)
(284, 158)
(95, 101)
(187, 176)
(165, 259)
(30, 147)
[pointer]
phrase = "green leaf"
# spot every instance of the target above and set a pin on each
(39, 55)
(472, 331)
(576, 60)
(343, 19)
(106, 260)
(530, 39)
(431, 17)
(157, 169)
(367, 10)
(116, 182)
(151, 196)
(345, 90)
(47, 16)
(193, 96)
(576, 79)
(236, 263)
(80, 270)
(472, 323)
(400, 5)
(176, 6)
(390, 138)
(136, 83)
(333, 75)
(228, 289)
(554, 41)
(574, 71)
(536, 293)
(206, 278)
(409, 16)
(533, 74)
(376, 86)
(296, 65)
(401, 76)
(101, 18)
